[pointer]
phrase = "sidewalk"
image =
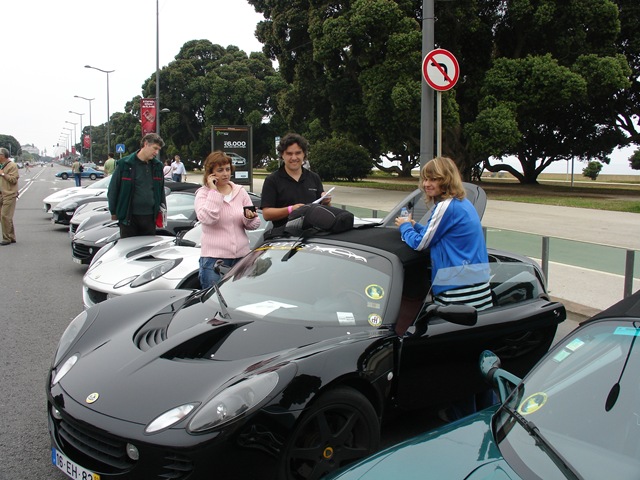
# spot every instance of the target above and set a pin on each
(584, 292)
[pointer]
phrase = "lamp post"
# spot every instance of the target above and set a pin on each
(75, 142)
(90, 134)
(81, 131)
(70, 137)
(108, 115)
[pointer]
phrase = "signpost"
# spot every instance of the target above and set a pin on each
(441, 72)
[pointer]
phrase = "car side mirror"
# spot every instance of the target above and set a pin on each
(494, 375)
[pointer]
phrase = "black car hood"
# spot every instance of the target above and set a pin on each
(181, 354)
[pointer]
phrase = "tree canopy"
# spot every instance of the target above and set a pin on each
(541, 81)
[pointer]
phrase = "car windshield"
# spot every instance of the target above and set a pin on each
(309, 284)
(102, 183)
(180, 206)
(584, 398)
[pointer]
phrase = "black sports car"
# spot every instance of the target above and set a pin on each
(288, 368)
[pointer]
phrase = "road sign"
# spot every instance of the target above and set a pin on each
(120, 148)
(440, 69)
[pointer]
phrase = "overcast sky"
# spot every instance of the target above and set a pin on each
(46, 44)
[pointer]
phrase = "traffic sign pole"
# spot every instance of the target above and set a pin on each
(441, 72)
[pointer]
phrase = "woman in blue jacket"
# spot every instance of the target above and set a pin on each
(453, 233)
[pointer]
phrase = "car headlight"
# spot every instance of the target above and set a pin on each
(70, 334)
(64, 369)
(233, 402)
(94, 261)
(71, 207)
(155, 272)
(170, 418)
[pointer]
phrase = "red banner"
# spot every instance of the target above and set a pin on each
(87, 141)
(148, 115)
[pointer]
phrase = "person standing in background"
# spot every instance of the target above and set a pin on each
(136, 191)
(109, 165)
(76, 170)
(177, 169)
(8, 195)
(291, 186)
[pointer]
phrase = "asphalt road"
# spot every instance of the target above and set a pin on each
(40, 293)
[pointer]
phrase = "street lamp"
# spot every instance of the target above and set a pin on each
(90, 134)
(74, 132)
(108, 115)
(70, 138)
(81, 132)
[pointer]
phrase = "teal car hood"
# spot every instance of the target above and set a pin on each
(461, 450)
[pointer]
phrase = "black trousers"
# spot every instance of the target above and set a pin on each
(140, 225)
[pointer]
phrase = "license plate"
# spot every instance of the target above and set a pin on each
(77, 260)
(71, 469)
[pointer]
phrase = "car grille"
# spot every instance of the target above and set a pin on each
(73, 227)
(107, 451)
(83, 252)
(95, 296)
(108, 454)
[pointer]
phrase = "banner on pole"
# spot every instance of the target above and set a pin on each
(148, 115)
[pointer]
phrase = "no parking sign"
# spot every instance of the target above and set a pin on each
(440, 69)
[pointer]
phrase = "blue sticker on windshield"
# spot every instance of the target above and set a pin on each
(629, 331)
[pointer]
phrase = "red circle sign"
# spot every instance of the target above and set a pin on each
(440, 69)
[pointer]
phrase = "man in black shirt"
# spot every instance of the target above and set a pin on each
(291, 186)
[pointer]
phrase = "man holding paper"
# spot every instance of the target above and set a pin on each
(291, 186)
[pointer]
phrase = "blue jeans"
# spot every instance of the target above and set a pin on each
(207, 275)
(77, 177)
(177, 177)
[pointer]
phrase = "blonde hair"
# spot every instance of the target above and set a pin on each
(214, 160)
(444, 170)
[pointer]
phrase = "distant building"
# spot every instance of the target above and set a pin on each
(30, 149)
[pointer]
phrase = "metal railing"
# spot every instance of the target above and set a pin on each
(592, 256)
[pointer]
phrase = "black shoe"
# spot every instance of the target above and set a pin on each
(5, 243)
(13, 241)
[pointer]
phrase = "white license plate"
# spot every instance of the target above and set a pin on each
(77, 260)
(71, 469)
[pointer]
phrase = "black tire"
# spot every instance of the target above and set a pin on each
(64, 176)
(339, 428)
(93, 176)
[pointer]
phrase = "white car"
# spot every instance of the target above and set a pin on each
(95, 188)
(138, 264)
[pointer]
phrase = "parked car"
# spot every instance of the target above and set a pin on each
(181, 216)
(575, 415)
(66, 209)
(287, 368)
(88, 172)
(89, 215)
(99, 230)
(137, 264)
(95, 188)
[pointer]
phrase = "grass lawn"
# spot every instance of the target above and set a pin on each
(600, 195)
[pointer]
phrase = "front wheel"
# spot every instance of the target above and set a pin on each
(93, 176)
(64, 176)
(339, 428)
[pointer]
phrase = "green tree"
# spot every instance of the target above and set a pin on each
(592, 170)
(634, 160)
(209, 85)
(11, 144)
(352, 69)
(340, 159)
